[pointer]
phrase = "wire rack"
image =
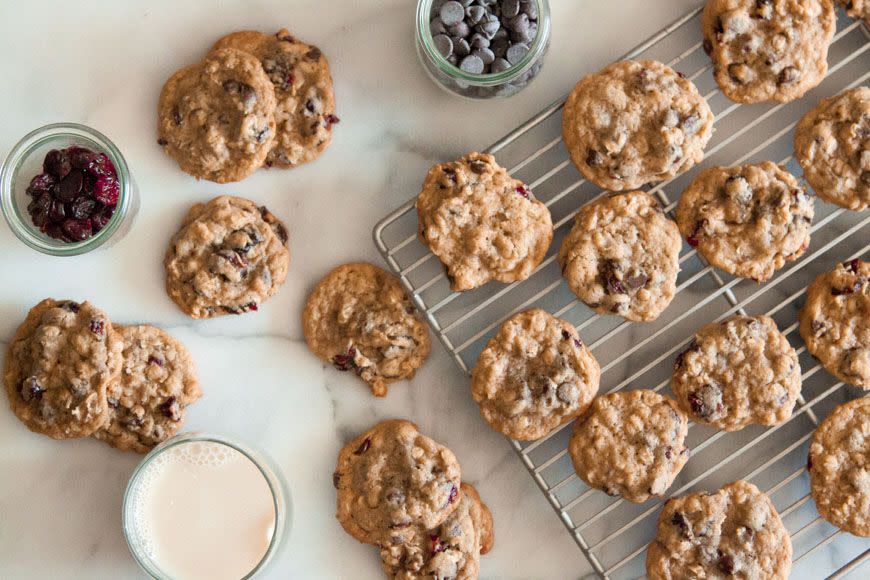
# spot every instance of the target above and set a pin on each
(612, 533)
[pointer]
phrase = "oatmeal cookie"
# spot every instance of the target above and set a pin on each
(642, 436)
(734, 531)
(452, 550)
(534, 375)
(58, 365)
(738, 371)
(835, 322)
(747, 220)
(305, 110)
(832, 144)
(392, 477)
(622, 256)
(147, 401)
(839, 466)
(635, 122)
(229, 256)
(482, 223)
(771, 50)
(359, 319)
(857, 9)
(217, 118)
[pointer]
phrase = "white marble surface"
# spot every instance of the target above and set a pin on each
(102, 63)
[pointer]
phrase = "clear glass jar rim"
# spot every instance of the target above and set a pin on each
(424, 38)
(280, 495)
(22, 150)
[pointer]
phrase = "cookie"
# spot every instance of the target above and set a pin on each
(534, 375)
(305, 101)
(832, 144)
(835, 322)
(481, 223)
(772, 50)
(217, 118)
(734, 531)
(622, 256)
(452, 550)
(739, 371)
(857, 9)
(839, 466)
(642, 436)
(58, 365)
(392, 477)
(359, 319)
(634, 123)
(229, 256)
(147, 401)
(747, 220)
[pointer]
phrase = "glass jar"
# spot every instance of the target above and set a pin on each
(25, 161)
(481, 86)
(138, 540)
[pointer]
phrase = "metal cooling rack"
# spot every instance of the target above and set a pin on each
(612, 533)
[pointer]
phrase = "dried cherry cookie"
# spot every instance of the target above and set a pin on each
(391, 478)
(839, 466)
(857, 9)
(635, 122)
(217, 118)
(482, 223)
(58, 365)
(835, 322)
(359, 319)
(622, 256)
(738, 371)
(229, 256)
(147, 401)
(832, 144)
(747, 220)
(734, 531)
(305, 109)
(534, 375)
(452, 550)
(771, 50)
(642, 436)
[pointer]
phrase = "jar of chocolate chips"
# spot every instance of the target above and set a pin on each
(66, 190)
(483, 48)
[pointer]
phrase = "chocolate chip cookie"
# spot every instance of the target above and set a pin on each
(839, 466)
(857, 9)
(770, 50)
(835, 322)
(642, 436)
(391, 478)
(747, 220)
(732, 532)
(305, 110)
(534, 375)
(482, 223)
(622, 256)
(229, 256)
(832, 144)
(359, 319)
(738, 371)
(217, 118)
(147, 401)
(58, 365)
(635, 122)
(452, 550)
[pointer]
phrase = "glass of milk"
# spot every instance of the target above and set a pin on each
(203, 506)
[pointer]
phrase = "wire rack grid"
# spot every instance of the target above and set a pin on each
(612, 533)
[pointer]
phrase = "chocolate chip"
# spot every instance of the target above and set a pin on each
(485, 54)
(488, 26)
(475, 14)
(611, 281)
(788, 75)
(364, 446)
(461, 48)
(516, 53)
(436, 26)
(478, 41)
(336, 478)
(706, 401)
(30, 389)
(478, 166)
(443, 45)
(637, 281)
(725, 563)
(161, 141)
(708, 46)
(314, 53)
(500, 65)
(451, 13)
(593, 158)
(510, 8)
(472, 64)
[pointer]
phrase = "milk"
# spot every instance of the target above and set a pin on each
(200, 510)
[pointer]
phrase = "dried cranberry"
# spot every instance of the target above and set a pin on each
(56, 212)
(852, 265)
(282, 233)
(81, 208)
(593, 158)
(679, 520)
(77, 230)
(97, 326)
(336, 478)
(101, 166)
(725, 563)
(171, 409)
(345, 362)
(70, 186)
(521, 189)
(842, 291)
(437, 546)
(30, 389)
(79, 157)
(153, 360)
(41, 183)
(611, 282)
(70, 306)
(106, 190)
(101, 217)
(809, 462)
(57, 164)
(453, 493)
(364, 446)
(331, 120)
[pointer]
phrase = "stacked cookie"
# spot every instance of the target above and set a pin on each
(255, 100)
(71, 373)
(401, 491)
